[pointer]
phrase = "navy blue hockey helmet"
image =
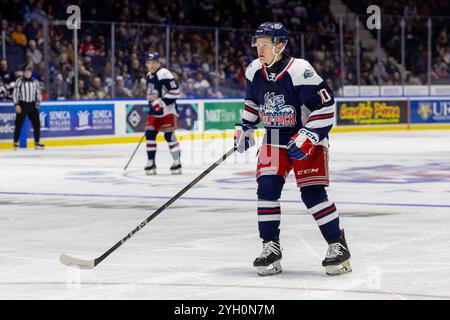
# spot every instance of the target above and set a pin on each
(275, 30)
(153, 56)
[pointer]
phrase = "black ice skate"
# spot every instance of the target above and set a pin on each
(268, 263)
(150, 169)
(16, 145)
(176, 167)
(39, 146)
(337, 260)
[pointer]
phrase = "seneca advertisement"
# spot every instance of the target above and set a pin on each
(64, 121)
(7, 119)
(76, 120)
(363, 112)
(430, 111)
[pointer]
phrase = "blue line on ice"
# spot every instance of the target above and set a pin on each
(219, 199)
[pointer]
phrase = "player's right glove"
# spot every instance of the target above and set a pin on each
(244, 137)
(302, 144)
(158, 104)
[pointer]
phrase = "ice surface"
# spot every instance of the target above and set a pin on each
(392, 190)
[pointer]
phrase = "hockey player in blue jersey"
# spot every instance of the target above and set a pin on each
(162, 92)
(297, 109)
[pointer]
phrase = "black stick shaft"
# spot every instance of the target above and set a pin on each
(164, 206)
(132, 156)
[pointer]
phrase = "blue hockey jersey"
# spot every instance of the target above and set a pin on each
(294, 98)
(162, 84)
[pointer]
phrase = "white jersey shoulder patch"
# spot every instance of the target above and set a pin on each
(163, 74)
(254, 66)
(303, 73)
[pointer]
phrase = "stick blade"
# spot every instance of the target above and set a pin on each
(76, 263)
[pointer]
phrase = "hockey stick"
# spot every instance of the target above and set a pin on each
(126, 166)
(90, 264)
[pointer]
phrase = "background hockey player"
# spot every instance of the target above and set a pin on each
(6, 91)
(162, 92)
(297, 109)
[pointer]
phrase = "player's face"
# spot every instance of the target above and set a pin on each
(264, 47)
(152, 65)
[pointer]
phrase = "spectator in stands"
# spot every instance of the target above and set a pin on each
(65, 81)
(101, 47)
(33, 53)
(443, 37)
(189, 91)
(6, 76)
(349, 79)
(201, 85)
(191, 50)
(6, 27)
(440, 69)
(68, 50)
(32, 30)
(87, 48)
(135, 70)
(391, 67)
(411, 80)
(446, 55)
(97, 91)
(140, 88)
(36, 12)
(397, 79)
(214, 91)
(121, 90)
(183, 81)
(84, 74)
(82, 90)
(18, 37)
(327, 26)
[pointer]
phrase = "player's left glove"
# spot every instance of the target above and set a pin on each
(158, 104)
(244, 137)
(302, 144)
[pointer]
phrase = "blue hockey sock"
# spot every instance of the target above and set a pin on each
(151, 143)
(269, 211)
(174, 145)
(269, 216)
(323, 211)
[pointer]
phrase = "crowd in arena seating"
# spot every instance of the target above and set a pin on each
(416, 14)
(141, 27)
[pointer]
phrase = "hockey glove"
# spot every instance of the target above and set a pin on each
(158, 104)
(243, 137)
(302, 144)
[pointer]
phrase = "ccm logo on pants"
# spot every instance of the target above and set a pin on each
(307, 171)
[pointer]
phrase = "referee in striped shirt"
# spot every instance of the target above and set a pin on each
(27, 98)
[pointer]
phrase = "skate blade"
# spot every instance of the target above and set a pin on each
(175, 172)
(344, 267)
(270, 270)
(150, 172)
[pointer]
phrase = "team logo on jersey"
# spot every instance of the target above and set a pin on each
(308, 73)
(275, 113)
(272, 76)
